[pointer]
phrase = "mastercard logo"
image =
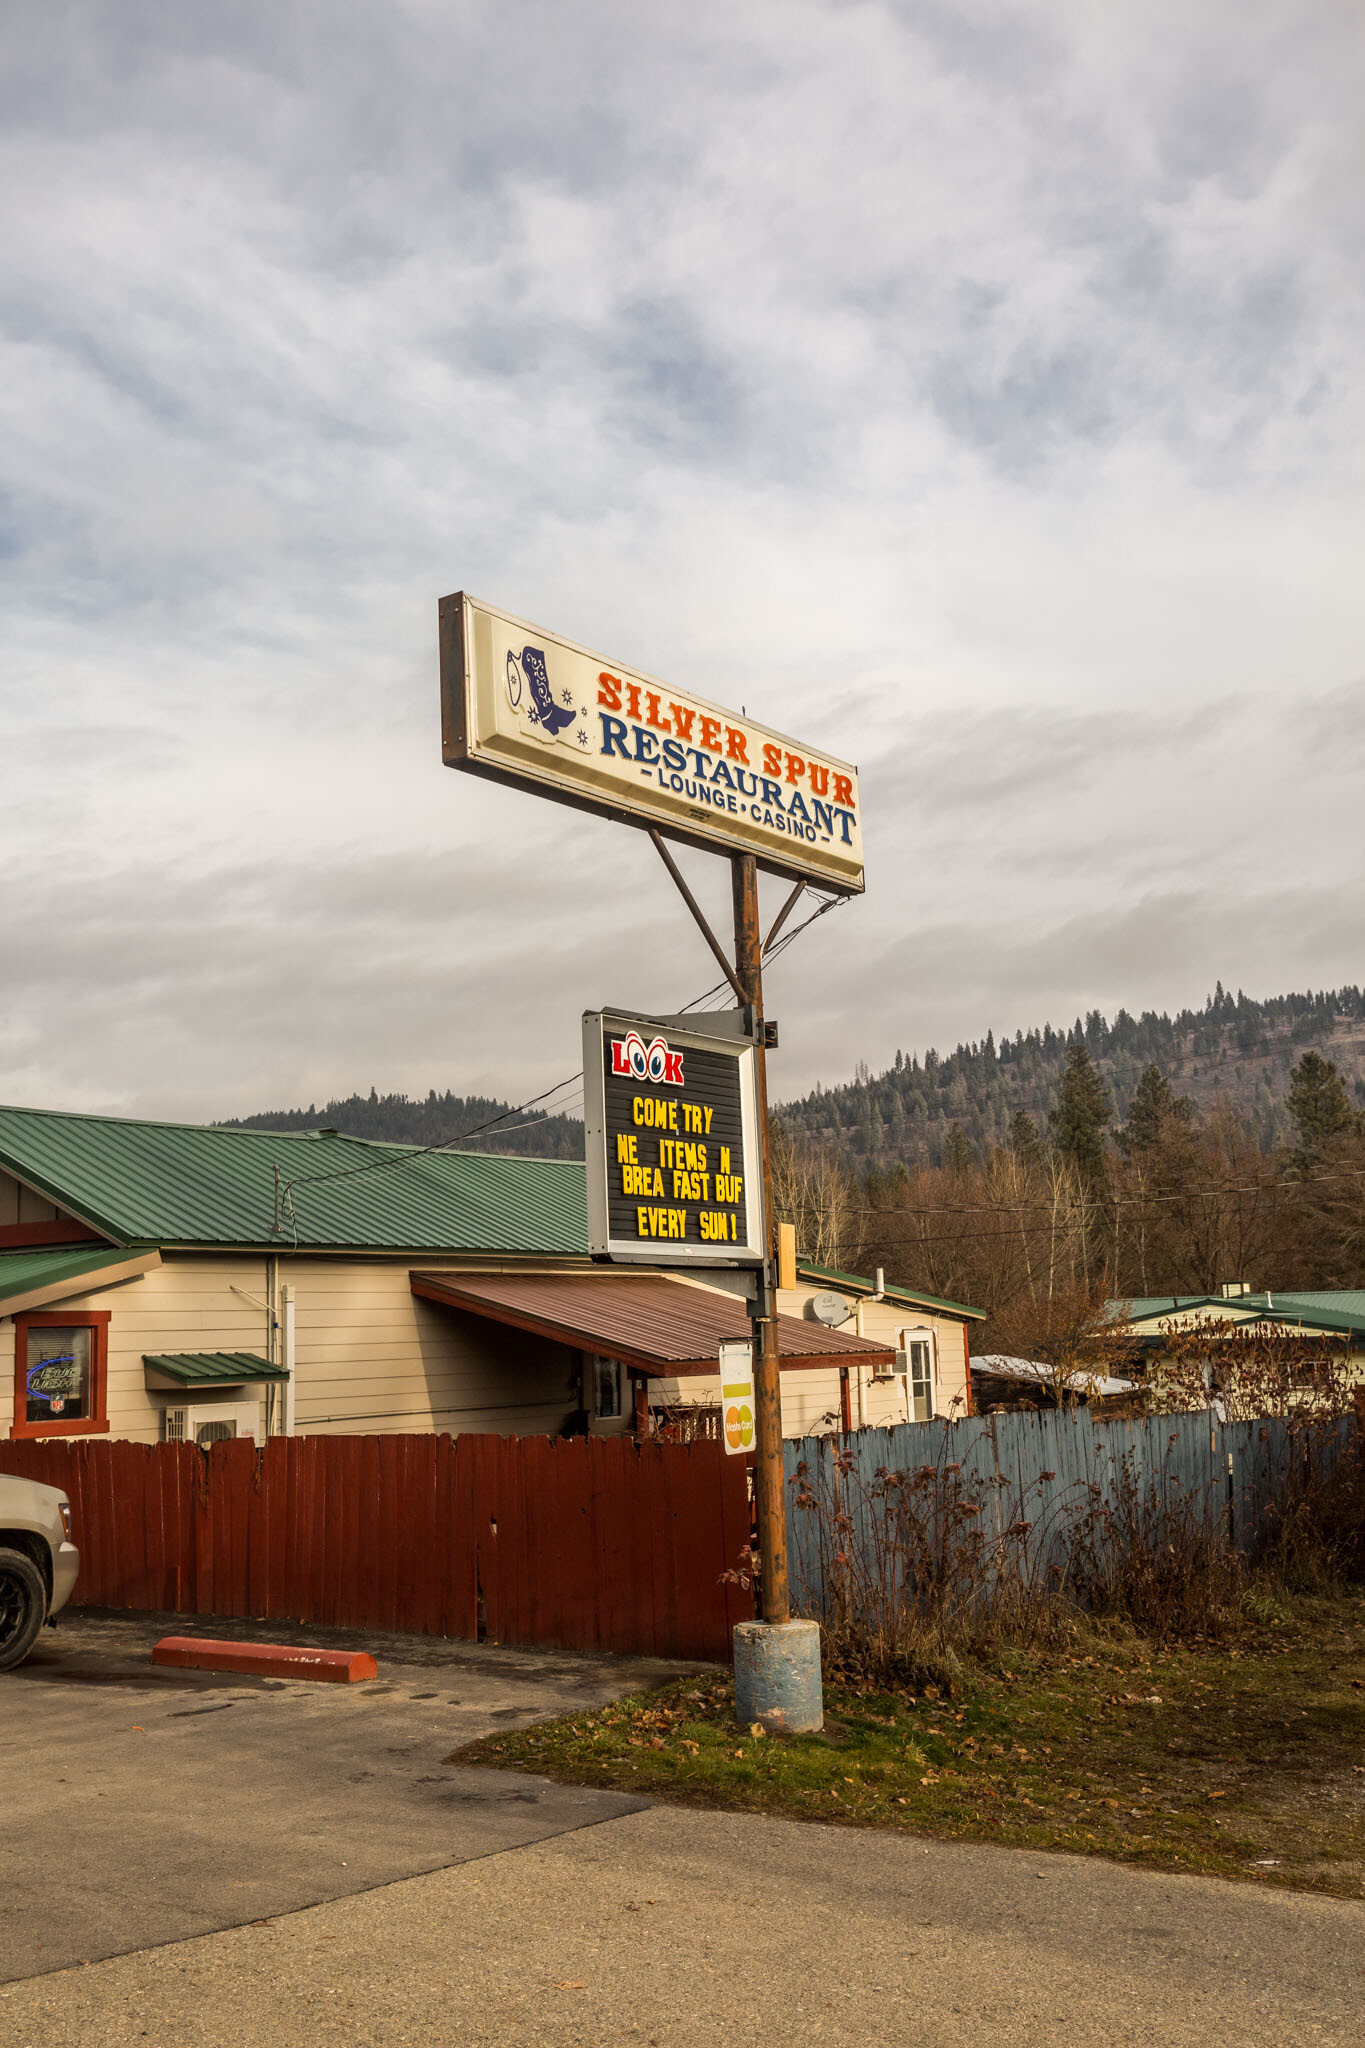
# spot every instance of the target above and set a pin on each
(739, 1426)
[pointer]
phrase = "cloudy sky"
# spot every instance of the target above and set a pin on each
(973, 389)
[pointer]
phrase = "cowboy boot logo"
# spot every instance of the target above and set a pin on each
(528, 692)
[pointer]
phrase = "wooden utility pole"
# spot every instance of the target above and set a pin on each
(769, 1481)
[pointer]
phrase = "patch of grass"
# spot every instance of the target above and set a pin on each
(1238, 1760)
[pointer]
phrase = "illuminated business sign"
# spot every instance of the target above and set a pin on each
(521, 705)
(672, 1143)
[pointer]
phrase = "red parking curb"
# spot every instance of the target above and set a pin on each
(265, 1660)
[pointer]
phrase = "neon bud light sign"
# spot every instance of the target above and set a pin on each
(653, 1062)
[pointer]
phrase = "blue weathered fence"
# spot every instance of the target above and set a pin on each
(1041, 1467)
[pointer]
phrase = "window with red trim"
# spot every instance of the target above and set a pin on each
(60, 1373)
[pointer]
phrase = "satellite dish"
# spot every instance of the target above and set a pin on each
(829, 1309)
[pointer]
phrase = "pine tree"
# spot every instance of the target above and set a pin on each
(1079, 1121)
(957, 1152)
(1150, 1113)
(1024, 1140)
(1319, 1105)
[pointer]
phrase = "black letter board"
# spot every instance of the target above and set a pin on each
(672, 1143)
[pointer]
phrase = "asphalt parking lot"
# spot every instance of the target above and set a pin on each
(240, 1862)
(140, 1806)
(688, 1929)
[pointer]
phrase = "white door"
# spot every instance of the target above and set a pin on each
(921, 1376)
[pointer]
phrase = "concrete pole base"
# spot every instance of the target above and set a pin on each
(777, 1677)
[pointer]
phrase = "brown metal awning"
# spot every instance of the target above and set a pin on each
(657, 1325)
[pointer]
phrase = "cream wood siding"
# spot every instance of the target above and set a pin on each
(182, 1305)
(811, 1394)
(883, 1401)
(1158, 1325)
(19, 1204)
(810, 1401)
(810, 1397)
(369, 1356)
(692, 1390)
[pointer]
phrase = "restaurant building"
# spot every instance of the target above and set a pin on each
(167, 1280)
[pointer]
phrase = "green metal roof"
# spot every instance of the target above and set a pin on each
(1315, 1311)
(863, 1285)
(24, 1272)
(1144, 1305)
(212, 1368)
(190, 1184)
(1341, 1301)
(1328, 1309)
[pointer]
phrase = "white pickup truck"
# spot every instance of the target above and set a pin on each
(38, 1563)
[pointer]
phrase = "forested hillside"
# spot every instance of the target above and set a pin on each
(431, 1120)
(1235, 1052)
(1036, 1177)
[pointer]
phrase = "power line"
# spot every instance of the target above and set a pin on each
(1102, 1201)
(787, 938)
(532, 1123)
(1037, 1243)
(284, 1189)
(779, 947)
(407, 1158)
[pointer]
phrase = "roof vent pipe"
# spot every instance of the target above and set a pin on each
(881, 1284)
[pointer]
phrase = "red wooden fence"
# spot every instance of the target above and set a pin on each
(585, 1543)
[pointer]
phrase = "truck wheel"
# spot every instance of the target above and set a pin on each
(23, 1606)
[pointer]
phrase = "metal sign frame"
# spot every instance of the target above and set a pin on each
(681, 1034)
(525, 761)
(562, 721)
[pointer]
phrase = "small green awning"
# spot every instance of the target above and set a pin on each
(212, 1368)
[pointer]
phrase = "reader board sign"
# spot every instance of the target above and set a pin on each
(524, 706)
(674, 1175)
(737, 1398)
